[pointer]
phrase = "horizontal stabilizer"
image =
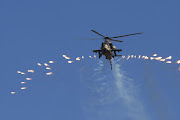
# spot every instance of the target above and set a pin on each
(96, 51)
(117, 50)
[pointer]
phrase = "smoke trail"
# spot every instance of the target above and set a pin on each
(113, 94)
(127, 92)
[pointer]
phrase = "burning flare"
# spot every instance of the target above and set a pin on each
(82, 57)
(51, 61)
(39, 64)
(23, 82)
(48, 68)
(70, 61)
(90, 57)
(152, 58)
(139, 57)
(78, 58)
(158, 58)
(155, 55)
(178, 62)
(146, 57)
(49, 73)
(23, 88)
(162, 60)
(168, 62)
(128, 57)
(64, 56)
(31, 71)
(13, 92)
(21, 72)
(28, 78)
(169, 57)
(46, 64)
(67, 58)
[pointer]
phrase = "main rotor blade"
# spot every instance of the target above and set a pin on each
(126, 35)
(91, 38)
(97, 33)
(116, 40)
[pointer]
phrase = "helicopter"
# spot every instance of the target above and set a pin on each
(107, 48)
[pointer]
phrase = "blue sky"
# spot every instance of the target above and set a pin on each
(42, 30)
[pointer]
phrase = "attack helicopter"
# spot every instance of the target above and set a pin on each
(107, 48)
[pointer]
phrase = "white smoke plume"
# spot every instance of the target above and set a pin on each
(114, 95)
(128, 93)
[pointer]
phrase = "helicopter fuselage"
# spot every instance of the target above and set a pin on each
(106, 48)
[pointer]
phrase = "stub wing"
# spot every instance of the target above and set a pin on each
(96, 51)
(99, 51)
(117, 50)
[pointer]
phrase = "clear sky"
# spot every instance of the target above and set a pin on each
(41, 30)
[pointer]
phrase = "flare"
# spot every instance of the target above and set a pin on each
(67, 58)
(162, 60)
(128, 57)
(168, 62)
(39, 64)
(64, 56)
(158, 58)
(49, 73)
(70, 61)
(146, 57)
(23, 82)
(169, 57)
(51, 61)
(13, 92)
(32, 71)
(78, 58)
(178, 62)
(23, 88)
(46, 64)
(152, 58)
(28, 78)
(48, 68)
